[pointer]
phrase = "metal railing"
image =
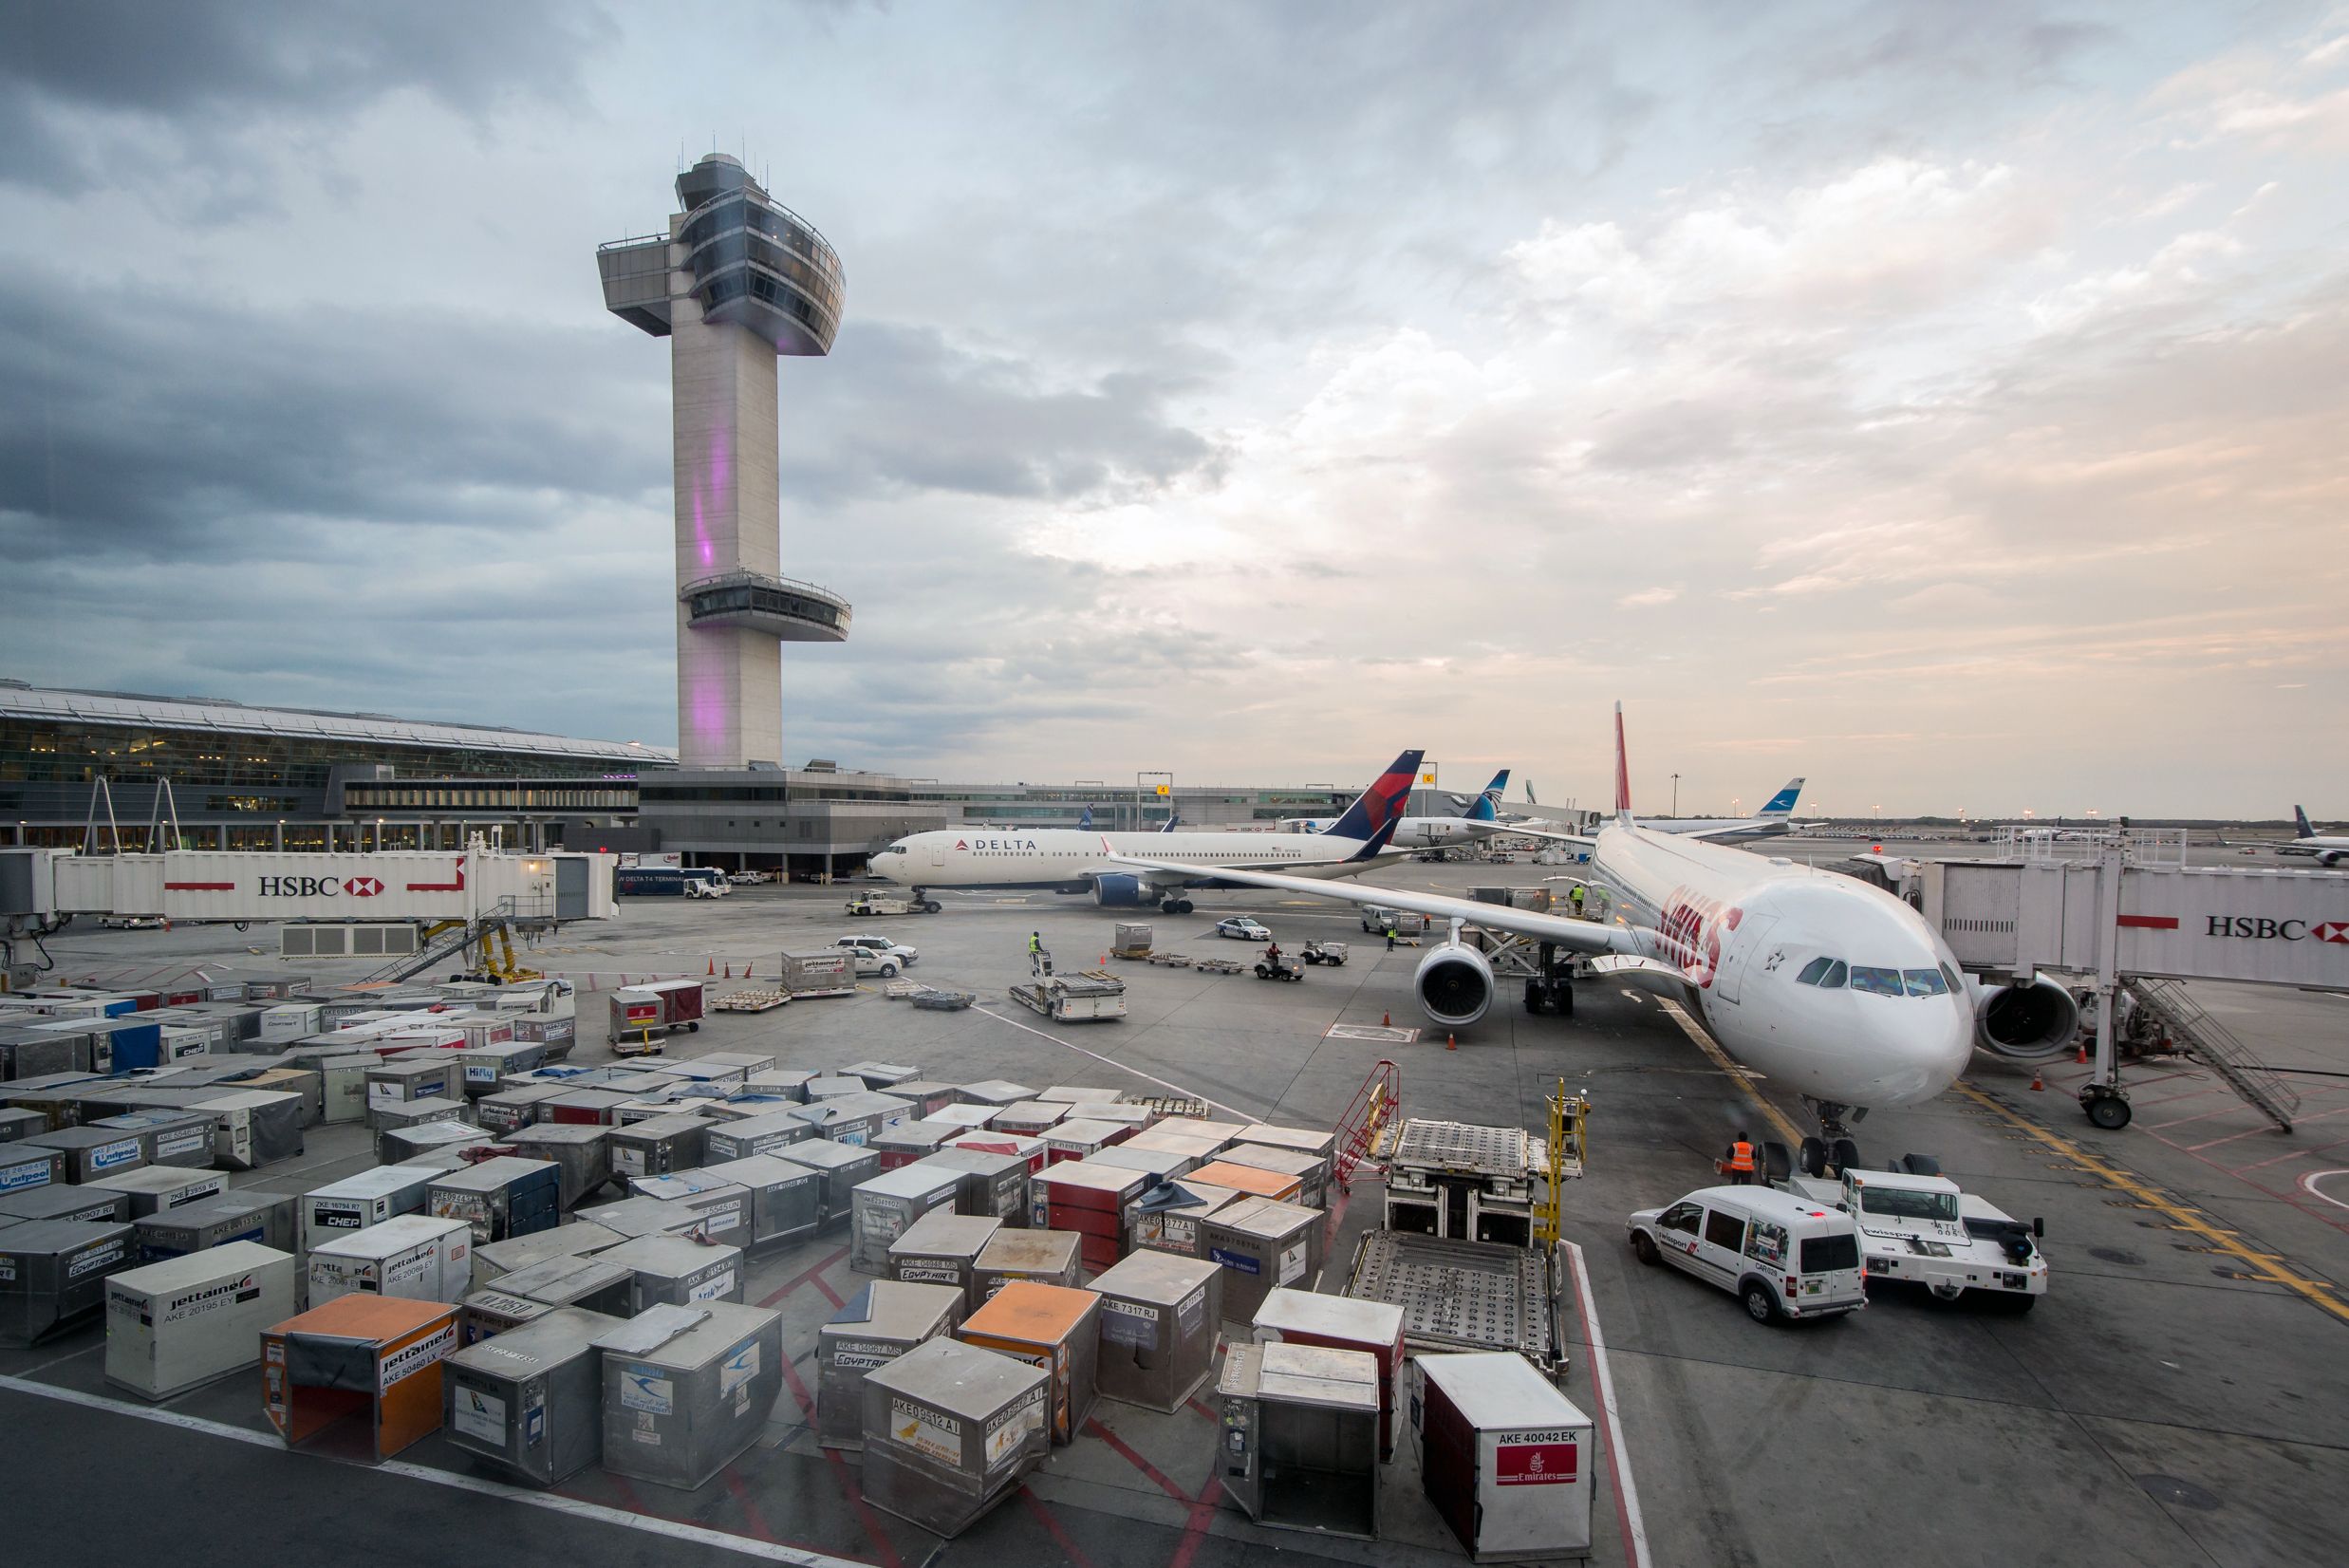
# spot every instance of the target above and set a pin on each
(2216, 1047)
(2080, 846)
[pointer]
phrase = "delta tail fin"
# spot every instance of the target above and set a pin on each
(1783, 803)
(1174, 819)
(1086, 821)
(1486, 806)
(1374, 814)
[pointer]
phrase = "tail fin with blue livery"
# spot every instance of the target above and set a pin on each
(1783, 803)
(1376, 812)
(2299, 823)
(1487, 806)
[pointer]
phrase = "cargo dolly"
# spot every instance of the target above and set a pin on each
(750, 1001)
(1087, 998)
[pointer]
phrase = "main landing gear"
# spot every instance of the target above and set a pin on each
(1553, 989)
(921, 899)
(1174, 906)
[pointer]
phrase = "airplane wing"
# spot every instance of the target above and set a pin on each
(1580, 841)
(1731, 829)
(1576, 936)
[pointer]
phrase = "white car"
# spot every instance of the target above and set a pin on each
(749, 879)
(879, 955)
(131, 923)
(1241, 928)
(1783, 1256)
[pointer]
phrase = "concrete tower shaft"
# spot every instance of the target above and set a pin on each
(738, 281)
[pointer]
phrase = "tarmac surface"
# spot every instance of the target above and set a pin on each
(2181, 1396)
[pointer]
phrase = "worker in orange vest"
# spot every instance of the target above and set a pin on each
(1739, 1167)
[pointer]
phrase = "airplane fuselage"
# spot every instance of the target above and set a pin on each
(1071, 859)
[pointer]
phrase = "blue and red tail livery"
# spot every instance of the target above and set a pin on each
(1373, 816)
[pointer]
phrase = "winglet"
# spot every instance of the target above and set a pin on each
(1623, 771)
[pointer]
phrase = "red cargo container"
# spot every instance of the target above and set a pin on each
(641, 1012)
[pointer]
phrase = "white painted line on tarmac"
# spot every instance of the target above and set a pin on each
(1112, 1061)
(1611, 1416)
(2308, 1185)
(766, 1551)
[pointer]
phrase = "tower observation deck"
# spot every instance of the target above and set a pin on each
(738, 281)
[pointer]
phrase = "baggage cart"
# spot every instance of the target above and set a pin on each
(371, 1360)
(950, 1431)
(871, 1329)
(1160, 1318)
(1300, 1428)
(183, 1321)
(534, 1405)
(1506, 1459)
(1074, 999)
(687, 1390)
(642, 1014)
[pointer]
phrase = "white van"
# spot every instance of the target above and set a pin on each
(1783, 1256)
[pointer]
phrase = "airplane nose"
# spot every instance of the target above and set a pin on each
(1924, 1045)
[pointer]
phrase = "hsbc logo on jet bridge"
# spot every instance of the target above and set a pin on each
(319, 888)
(2260, 928)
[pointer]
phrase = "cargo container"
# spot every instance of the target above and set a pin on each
(94, 1151)
(500, 1198)
(416, 1257)
(882, 1074)
(720, 1209)
(1075, 1139)
(290, 1021)
(367, 1359)
(63, 1202)
(267, 1218)
(343, 1087)
(26, 1164)
(786, 1198)
(1095, 1201)
(1039, 1257)
(828, 974)
(885, 1207)
(686, 1391)
(486, 1068)
(590, 1107)
(534, 1405)
(1199, 1127)
(1322, 1146)
(1506, 1459)
(927, 1097)
(1294, 1165)
(175, 1324)
(1168, 1218)
(657, 1146)
(642, 1014)
(54, 1272)
(402, 1145)
(1248, 1181)
(871, 1329)
(412, 1078)
(1261, 1245)
(514, 1106)
(1300, 1428)
(1134, 1118)
(491, 1311)
(17, 1125)
(579, 1239)
(1160, 1318)
(1340, 1322)
(844, 1167)
(580, 1152)
(995, 1092)
(768, 1133)
(1156, 1164)
(941, 1248)
(252, 1128)
(950, 1431)
(676, 1270)
(591, 1282)
(783, 1083)
(1030, 1151)
(968, 1118)
(35, 1052)
(1030, 1117)
(910, 1141)
(834, 1086)
(289, 1080)
(357, 1202)
(159, 1189)
(994, 1184)
(1049, 1326)
(855, 1118)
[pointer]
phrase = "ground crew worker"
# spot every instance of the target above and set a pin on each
(1740, 1163)
(1390, 936)
(1036, 952)
(1574, 896)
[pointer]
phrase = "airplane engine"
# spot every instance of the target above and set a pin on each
(1119, 892)
(2026, 1023)
(1455, 985)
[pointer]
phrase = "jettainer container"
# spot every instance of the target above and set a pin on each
(1300, 1437)
(187, 1320)
(1506, 1457)
(871, 1329)
(951, 1430)
(373, 1360)
(1160, 1316)
(686, 1390)
(54, 1271)
(533, 1404)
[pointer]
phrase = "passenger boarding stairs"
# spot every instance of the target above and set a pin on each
(455, 936)
(2216, 1048)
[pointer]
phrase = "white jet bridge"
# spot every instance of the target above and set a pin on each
(2124, 909)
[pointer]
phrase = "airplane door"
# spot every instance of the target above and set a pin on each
(1748, 945)
(938, 857)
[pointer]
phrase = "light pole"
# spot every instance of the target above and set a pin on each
(1676, 795)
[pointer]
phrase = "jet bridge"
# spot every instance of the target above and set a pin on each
(2125, 911)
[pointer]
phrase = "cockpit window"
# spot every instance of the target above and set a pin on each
(1875, 982)
(1834, 981)
(1814, 972)
(896, 848)
(1957, 986)
(1926, 982)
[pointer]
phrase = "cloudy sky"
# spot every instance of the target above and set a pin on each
(1946, 402)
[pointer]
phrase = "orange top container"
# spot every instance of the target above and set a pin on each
(1247, 1179)
(1049, 1326)
(374, 1357)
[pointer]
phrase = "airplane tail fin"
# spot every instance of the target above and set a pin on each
(1374, 814)
(1086, 821)
(1623, 771)
(1173, 819)
(2299, 823)
(1487, 806)
(1783, 803)
(1530, 798)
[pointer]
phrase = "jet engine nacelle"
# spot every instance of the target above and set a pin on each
(1119, 892)
(2026, 1023)
(1455, 985)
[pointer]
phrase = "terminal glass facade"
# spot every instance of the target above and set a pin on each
(62, 751)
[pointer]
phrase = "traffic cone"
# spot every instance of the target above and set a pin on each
(746, 971)
(2035, 1079)
(1451, 1042)
(1385, 1021)
(729, 974)
(2082, 1056)
(713, 966)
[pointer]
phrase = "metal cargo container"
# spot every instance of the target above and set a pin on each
(357, 1202)
(1344, 1323)
(881, 1074)
(1199, 1127)
(1321, 1146)
(635, 1217)
(52, 1272)
(415, 1256)
(400, 1145)
(720, 1209)
(311, 1086)
(786, 1198)
(995, 1092)
(491, 1311)
(17, 1125)
(782, 1083)
(1309, 1173)
(500, 1198)
(254, 1126)
(968, 1118)
(534, 1405)
(995, 1184)
(844, 1166)
(1030, 1117)
(1506, 1457)
(96, 1204)
(485, 1068)
(38, 1052)
(702, 1071)
(749, 1062)
(514, 1106)
(589, 1107)
(159, 1189)
(580, 1150)
(173, 1324)
(1160, 1316)
(852, 1118)
(1300, 1437)
(342, 1085)
(885, 1207)
(1154, 1163)
(290, 1021)
(579, 1239)
(406, 1114)
(831, 973)
(907, 1142)
(166, 1137)
(1075, 1139)
(418, 1075)
(927, 1095)
(1049, 1326)
(30, 1164)
(1248, 1181)
(658, 1146)
(1261, 1245)
(686, 1391)
(675, 1270)
(941, 1248)
(1096, 1202)
(768, 1133)
(266, 1217)
(1030, 1151)
(871, 1329)
(1039, 1257)
(951, 1430)
(367, 1356)
(94, 1151)
(591, 1282)
(1136, 1118)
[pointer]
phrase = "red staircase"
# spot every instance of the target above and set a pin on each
(1374, 1107)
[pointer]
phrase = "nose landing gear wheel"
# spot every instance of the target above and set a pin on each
(2109, 1111)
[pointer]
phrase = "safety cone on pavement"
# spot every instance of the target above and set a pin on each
(2081, 1055)
(713, 967)
(1451, 1042)
(2036, 1082)
(729, 974)
(1385, 1021)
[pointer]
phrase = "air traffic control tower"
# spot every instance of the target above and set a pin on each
(738, 280)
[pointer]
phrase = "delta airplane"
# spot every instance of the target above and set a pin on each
(1825, 985)
(1482, 818)
(1073, 859)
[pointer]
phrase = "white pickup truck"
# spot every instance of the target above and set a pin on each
(1917, 1227)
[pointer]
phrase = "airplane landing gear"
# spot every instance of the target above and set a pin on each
(2106, 1106)
(1553, 989)
(1835, 1149)
(1174, 906)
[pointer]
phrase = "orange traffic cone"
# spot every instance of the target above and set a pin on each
(746, 971)
(2082, 1056)
(729, 974)
(713, 966)
(2035, 1079)
(1385, 1021)
(1451, 1042)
